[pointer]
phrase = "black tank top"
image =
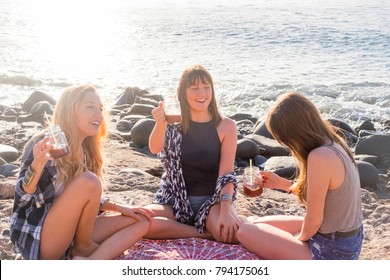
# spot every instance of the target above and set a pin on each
(200, 155)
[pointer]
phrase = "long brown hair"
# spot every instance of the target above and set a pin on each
(64, 115)
(295, 122)
(192, 76)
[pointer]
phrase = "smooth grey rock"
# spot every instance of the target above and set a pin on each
(378, 145)
(271, 146)
(141, 131)
(261, 129)
(36, 97)
(8, 153)
(8, 170)
(284, 166)
(369, 176)
(247, 148)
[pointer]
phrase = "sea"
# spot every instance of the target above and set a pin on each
(335, 52)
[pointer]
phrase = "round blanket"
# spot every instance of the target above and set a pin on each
(186, 249)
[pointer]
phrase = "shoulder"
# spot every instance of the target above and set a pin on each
(322, 154)
(227, 124)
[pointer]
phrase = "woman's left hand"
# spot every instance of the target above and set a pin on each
(137, 212)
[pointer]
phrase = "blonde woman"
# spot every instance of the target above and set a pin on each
(57, 201)
(328, 184)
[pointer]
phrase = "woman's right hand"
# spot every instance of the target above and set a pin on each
(41, 152)
(274, 181)
(158, 113)
(270, 179)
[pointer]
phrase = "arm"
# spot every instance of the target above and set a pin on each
(228, 221)
(319, 173)
(273, 181)
(130, 211)
(35, 157)
(156, 138)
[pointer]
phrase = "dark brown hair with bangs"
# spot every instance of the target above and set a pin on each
(191, 76)
(295, 122)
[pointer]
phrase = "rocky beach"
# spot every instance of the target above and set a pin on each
(133, 173)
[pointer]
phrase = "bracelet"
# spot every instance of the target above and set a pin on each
(226, 197)
(28, 177)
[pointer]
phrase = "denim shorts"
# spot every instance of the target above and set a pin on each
(195, 202)
(336, 248)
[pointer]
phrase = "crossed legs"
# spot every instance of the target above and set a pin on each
(74, 216)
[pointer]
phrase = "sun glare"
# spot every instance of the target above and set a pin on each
(74, 35)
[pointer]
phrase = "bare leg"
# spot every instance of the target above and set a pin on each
(164, 226)
(72, 215)
(291, 224)
(271, 242)
(212, 222)
(116, 233)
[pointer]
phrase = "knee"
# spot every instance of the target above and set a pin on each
(144, 225)
(89, 182)
(242, 232)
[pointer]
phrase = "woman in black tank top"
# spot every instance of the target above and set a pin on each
(196, 198)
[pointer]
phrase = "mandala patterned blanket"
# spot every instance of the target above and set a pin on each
(186, 249)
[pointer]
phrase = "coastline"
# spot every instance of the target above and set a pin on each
(133, 174)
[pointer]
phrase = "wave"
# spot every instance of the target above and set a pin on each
(19, 81)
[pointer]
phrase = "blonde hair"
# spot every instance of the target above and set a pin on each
(190, 77)
(64, 115)
(295, 122)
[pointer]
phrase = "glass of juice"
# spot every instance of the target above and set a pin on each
(58, 142)
(172, 111)
(252, 182)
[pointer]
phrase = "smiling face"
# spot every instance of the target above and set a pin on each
(199, 96)
(89, 115)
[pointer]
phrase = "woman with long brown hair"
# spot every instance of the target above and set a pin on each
(57, 200)
(198, 189)
(327, 183)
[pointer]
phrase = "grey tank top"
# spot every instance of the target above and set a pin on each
(343, 209)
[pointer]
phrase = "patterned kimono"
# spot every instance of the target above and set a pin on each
(173, 185)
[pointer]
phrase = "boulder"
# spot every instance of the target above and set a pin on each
(8, 170)
(247, 148)
(261, 129)
(377, 145)
(8, 153)
(271, 146)
(284, 166)
(141, 131)
(369, 176)
(141, 109)
(36, 97)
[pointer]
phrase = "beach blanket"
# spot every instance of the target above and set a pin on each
(186, 249)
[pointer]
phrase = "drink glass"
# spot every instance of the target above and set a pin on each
(252, 182)
(172, 111)
(58, 142)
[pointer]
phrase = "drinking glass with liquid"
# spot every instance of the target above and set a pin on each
(172, 111)
(58, 142)
(252, 184)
